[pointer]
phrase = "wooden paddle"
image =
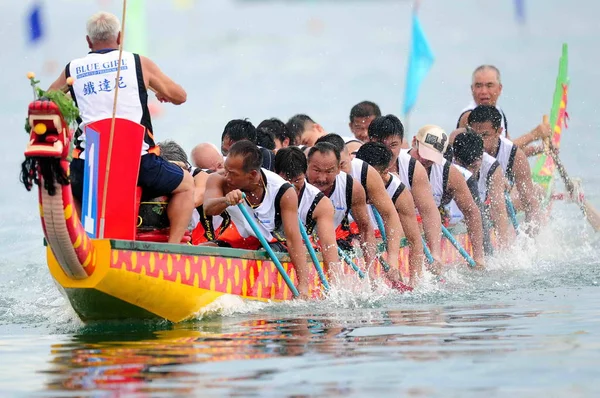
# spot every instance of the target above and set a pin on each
(591, 214)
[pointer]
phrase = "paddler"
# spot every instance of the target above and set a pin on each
(361, 116)
(486, 87)
(389, 131)
(305, 130)
(448, 182)
(93, 93)
(314, 208)
(238, 130)
(268, 197)
(207, 156)
(376, 194)
(345, 193)
(469, 153)
(379, 157)
(485, 120)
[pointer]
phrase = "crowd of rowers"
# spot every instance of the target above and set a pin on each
(341, 183)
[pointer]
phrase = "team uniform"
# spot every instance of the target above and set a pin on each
(93, 93)
(238, 233)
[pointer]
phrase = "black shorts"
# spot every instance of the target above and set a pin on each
(157, 176)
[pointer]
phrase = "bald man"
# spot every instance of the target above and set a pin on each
(207, 156)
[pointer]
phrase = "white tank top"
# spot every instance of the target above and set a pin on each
(341, 197)
(268, 214)
(93, 89)
(406, 167)
(360, 171)
(309, 198)
(472, 105)
(394, 188)
(438, 179)
(489, 165)
(506, 157)
(452, 208)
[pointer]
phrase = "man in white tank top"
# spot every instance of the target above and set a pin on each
(389, 131)
(379, 156)
(376, 195)
(448, 183)
(93, 93)
(314, 208)
(468, 153)
(486, 87)
(268, 197)
(345, 193)
(485, 121)
(361, 116)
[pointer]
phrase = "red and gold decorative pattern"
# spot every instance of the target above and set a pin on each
(247, 278)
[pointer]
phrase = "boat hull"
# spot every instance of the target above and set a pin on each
(176, 282)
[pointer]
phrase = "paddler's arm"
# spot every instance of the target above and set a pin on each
(166, 89)
(296, 248)
(363, 221)
(323, 215)
(215, 200)
(526, 190)
(405, 206)
(384, 205)
(200, 187)
(432, 222)
(541, 131)
(465, 202)
(498, 207)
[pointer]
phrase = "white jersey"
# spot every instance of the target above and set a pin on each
(359, 172)
(406, 167)
(394, 188)
(267, 214)
(94, 86)
(472, 105)
(452, 208)
(341, 198)
(438, 179)
(308, 199)
(488, 166)
(506, 157)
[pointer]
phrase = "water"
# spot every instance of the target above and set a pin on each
(525, 327)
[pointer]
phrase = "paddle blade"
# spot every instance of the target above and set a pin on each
(592, 215)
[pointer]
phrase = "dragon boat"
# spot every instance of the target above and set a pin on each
(109, 267)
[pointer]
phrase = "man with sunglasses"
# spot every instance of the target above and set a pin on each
(448, 182)
(485, 120)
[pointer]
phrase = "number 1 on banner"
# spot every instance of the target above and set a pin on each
(90, 183)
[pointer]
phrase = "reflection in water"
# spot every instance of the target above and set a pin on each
(185, 357)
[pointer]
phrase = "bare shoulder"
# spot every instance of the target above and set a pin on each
(324, 208)
(289, 199)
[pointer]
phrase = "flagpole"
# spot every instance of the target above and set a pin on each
(112, 123)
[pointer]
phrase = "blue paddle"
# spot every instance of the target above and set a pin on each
(313, 255)
(458, 247)
(349, 261)
(266, 246)
(511, 212)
